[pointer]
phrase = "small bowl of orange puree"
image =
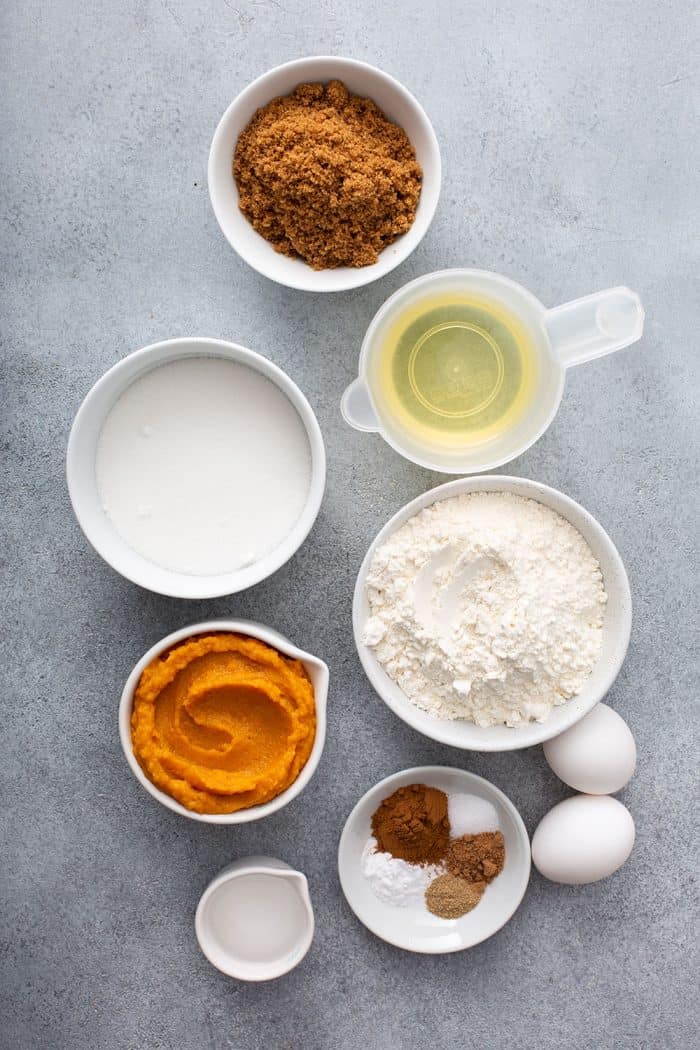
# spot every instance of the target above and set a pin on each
(224, 722)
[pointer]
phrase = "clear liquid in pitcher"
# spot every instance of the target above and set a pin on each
(453, 371)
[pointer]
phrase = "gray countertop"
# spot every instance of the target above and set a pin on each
(568, 157)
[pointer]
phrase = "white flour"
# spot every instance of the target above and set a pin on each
(488, 607)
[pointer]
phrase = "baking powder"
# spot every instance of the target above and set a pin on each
(397, 881)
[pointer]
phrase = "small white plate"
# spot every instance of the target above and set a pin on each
(616, 626)
(415, 928)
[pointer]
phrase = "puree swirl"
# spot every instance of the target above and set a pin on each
(222, 722)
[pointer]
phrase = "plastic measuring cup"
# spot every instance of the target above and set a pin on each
(567, 335)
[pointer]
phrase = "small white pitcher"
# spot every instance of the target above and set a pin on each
(254, 920)
(566, 335)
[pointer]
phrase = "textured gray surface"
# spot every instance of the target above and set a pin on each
(568, 164)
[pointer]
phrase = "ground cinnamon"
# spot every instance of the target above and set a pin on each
(412, 824)
(476, 858)
(325, 176)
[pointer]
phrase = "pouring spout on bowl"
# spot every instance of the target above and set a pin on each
(357, 408)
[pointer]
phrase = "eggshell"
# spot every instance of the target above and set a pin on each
(596, 755)
(583, 839)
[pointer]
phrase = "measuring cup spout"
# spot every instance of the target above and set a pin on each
(595, 325)
(357, 408)
(302, 884)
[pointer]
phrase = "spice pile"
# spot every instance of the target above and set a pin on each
(431, 849)
(324, 176)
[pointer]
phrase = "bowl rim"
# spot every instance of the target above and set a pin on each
(424, 774)
(355, 277)
(317, 668)
(440, 729)
(182, 585)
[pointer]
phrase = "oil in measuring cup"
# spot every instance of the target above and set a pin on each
(453, 371)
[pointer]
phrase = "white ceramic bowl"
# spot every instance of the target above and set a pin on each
(415, 928)
(82, 480)
(361, 79)
(318, 673)
(258, 955)
(616, 626)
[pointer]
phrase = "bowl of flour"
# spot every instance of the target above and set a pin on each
(492, 613)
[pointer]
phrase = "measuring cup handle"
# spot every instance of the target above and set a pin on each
(595, 325)
(357, 408)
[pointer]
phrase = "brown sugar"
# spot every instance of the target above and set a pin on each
(412, 824)
(324, 176)
(476, 858)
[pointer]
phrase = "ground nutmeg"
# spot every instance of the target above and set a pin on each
(325, 176)
(449, 897)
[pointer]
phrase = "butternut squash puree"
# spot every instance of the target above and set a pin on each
(222, 722)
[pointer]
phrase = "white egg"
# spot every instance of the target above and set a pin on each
(597, 755)
(583, 839)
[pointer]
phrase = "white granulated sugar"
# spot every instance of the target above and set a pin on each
(203, 466)
(396, 881)
(470, 815)
(488, 607)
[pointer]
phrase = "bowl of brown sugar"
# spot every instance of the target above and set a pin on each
(324, 174)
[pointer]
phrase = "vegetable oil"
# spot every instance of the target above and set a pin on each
(455, 371)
